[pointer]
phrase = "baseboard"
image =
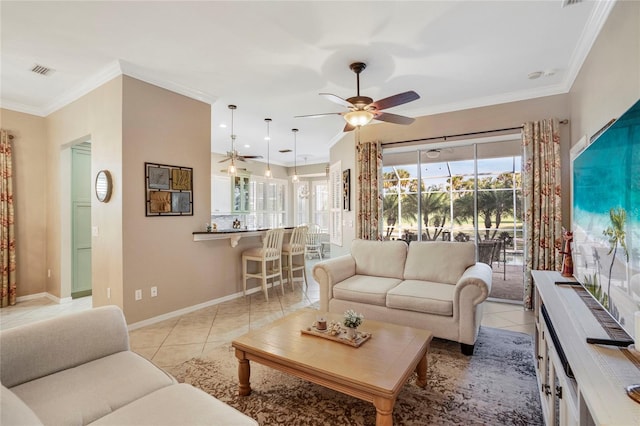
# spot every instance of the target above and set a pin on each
(31, 297)
(58, 299)
(41, 295)
(189, 309)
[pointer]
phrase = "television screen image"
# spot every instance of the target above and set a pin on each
(606, 218)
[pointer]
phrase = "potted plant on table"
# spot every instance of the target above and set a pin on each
(352, 321)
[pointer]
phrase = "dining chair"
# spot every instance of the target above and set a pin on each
(269, 259)
(295, 249)
(314, 243)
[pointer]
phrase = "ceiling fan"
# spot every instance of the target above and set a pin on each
(362, 109)
(233, 155)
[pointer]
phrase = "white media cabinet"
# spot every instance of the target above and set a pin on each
(596, 394)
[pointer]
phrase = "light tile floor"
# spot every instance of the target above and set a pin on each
(173, 341)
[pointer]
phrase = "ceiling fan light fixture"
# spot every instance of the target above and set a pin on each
(358, 118)
(231, 170)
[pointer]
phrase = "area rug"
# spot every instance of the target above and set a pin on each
(495, 386)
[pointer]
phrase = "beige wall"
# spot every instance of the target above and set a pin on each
(609, 81)
(97, 117)
(29, 179)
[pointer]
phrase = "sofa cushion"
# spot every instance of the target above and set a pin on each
(176, 405)
(45, 347)
(365, 289)
(14, 412)
(89, 391)
(422, 296)
(379, 258)
(438, 261)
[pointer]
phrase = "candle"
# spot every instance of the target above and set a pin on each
(321, 323)
(636, 335)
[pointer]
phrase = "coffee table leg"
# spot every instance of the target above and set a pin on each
(244, 372)
(384, 411)
(421, 369)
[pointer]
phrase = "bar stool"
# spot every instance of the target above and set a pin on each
(313, 245)
(295, 247)
(269, 258)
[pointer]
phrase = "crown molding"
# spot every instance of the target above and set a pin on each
(113, 70)
(108, 73)
(590, 33)
(136, 72)
(18, 107)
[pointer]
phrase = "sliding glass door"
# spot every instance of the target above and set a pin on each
(470, 192)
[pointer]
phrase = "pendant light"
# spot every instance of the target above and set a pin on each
(231, 170)
(267, 173)
(294, 178)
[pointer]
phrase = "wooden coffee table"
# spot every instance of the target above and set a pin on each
(374, 372)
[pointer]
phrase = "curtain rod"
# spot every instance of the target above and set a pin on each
(481, 132)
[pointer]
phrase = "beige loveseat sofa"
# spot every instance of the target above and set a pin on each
(77, 369)
(436, 286)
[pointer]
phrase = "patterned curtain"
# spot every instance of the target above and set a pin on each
(7, 236)
(369, 198)
(542, 200)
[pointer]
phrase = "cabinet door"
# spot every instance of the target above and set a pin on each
(220, 194)
(240, 193)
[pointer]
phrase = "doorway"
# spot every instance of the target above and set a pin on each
(81, 220)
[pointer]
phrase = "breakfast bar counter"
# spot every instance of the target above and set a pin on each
(234, 235)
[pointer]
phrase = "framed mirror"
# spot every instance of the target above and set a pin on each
(103, 186)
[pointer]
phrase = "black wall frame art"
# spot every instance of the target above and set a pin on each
(169, 190)
(346, 190)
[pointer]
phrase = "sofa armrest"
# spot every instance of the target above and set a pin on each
(474, 285)
(329, 273)
(471, 290)
(46, 347)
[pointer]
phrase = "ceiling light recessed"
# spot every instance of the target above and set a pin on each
(41, 69)
(223, 126)
(246, 145)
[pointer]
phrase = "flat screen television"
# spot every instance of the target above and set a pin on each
(606, 217)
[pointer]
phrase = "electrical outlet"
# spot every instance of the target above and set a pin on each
(154, 291)
(48, 273)
(108, 292)
(138, 294)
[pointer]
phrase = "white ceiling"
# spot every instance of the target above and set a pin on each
(272, 58)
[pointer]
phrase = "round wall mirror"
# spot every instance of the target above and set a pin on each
(103, 186)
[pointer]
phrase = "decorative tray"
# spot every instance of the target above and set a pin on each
(360, 338)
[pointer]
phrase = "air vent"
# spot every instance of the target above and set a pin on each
(284, 151)
(566, 3)
(41, 69)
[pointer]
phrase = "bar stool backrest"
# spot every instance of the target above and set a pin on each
(272, 243)
(298, 239)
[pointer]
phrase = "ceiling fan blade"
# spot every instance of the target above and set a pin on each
(226, 159)
(337, 99)
(250, 156)
(395, 100)
(394, 118)
(348, 128)
(317, 115)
